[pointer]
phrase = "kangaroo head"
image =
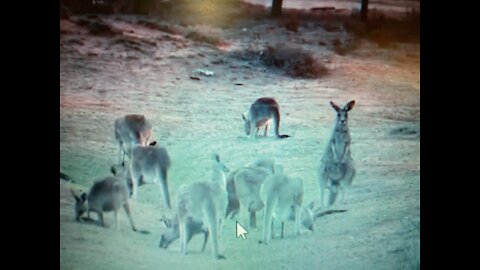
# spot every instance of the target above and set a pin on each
(342, 113)
(307, 217)
(80, 204)
(119, 169)
(219, 171)
(218, 165)
(246, 123)
(172, 232)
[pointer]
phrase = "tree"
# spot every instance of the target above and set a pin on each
(364, 10)
(276, 8)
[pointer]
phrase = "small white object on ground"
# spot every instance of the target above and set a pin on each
(205, 72)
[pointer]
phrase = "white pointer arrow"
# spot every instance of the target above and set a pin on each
(241, 231)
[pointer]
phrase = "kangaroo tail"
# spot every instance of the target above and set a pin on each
(66, 177)
(328, 212)
(164, 186)
(233, 203)
(276, 122)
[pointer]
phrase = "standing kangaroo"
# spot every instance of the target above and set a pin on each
(150, 164)
(337, 169)
(106, 194)
(261, 113)
(280, 194)
(258, 169)
(131, 130)
(205, 202)
(243, 186)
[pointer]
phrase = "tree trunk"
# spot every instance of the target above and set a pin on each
(364, 10)
(277, 8)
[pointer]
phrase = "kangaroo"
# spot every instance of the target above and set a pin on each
(150, 163)
(131, 130)
(307, 217)
(206, 202)
(261, 113)
(337, 169)
(172, 233)
(123, 171)
(106, 194)
(244, 185)
(280, 193)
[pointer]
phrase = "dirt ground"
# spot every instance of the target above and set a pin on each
(147, 71)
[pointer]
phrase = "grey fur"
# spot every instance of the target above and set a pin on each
(151, 164)
(173, 233)
(243, 186)
(337, 168)
(261, 113)
(206, 202)
(280, 193)
(106, 194)
(263, 166)
(131, 130)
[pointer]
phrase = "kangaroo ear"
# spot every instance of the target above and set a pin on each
(165, 220)
(278, 169)
(311, 205)
(83, 196)
(113, 170)
(215, 157)
(349, 105)
(335, 106)
(153, 143)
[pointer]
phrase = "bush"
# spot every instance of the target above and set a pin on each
(342, 48)
(385, 31)
(100, 28)
(200, 37)
(159, 27)
(292, 25)
(296, 62)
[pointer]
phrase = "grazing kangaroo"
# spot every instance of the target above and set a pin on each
(261, 113)
(337, 169)
(307, 217)
(106, 194)
(249, 180)
(131, 130)
(150, 163)
(280, 193)
(206, 202)
(172, 234)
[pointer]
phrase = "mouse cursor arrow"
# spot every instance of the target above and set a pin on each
(241, 231)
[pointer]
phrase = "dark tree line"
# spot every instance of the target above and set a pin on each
(144, 6)
(277, 9)
(109, 6)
